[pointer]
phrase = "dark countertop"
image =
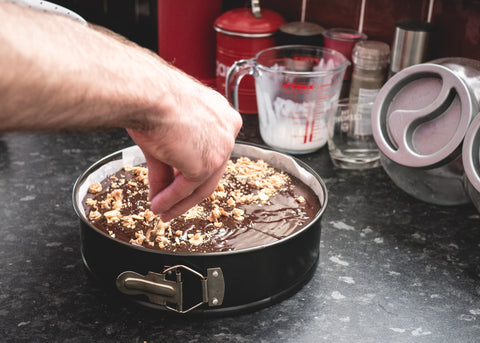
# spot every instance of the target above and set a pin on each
(392, 268)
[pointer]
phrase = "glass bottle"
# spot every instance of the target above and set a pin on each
(370, 70)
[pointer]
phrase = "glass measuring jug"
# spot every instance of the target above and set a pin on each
(296, 88)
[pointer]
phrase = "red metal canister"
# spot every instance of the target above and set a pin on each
(186, 38)
(241, 34)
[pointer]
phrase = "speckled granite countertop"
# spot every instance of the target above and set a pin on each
(392, 269)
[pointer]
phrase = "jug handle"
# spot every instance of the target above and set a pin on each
(235, 74)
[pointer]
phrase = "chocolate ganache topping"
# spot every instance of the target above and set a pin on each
(253, 204)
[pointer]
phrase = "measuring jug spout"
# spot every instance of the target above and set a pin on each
(235, 74)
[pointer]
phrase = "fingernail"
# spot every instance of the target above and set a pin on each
(164, 217)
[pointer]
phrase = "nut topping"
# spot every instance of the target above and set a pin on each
(123, 206)
(95, 188)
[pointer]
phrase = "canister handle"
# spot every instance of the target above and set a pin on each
(256, 10)
(162, 291)
(234, 75)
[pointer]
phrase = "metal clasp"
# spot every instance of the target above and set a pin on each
(169, 293)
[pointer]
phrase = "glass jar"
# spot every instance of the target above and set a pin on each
(370, 69)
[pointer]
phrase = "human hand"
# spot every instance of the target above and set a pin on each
(185, 129)
(187, 148)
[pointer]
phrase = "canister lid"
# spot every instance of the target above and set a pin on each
(421, 115)
(471, 153)
(242, 21)
(341, 34)
(299, 28)
(371, 54)
(414, 25)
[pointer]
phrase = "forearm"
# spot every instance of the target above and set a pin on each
(57, 73)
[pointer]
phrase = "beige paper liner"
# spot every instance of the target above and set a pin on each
(133, 156)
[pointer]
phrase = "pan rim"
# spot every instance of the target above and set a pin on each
(111, 157)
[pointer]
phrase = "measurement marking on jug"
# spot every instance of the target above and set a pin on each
(306, 59)
(298, 86)
(310, 125)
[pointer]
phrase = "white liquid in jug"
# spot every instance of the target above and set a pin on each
(294, 127)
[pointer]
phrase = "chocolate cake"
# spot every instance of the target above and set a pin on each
(254, 204)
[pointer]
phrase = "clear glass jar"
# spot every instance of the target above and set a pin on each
(370, 70)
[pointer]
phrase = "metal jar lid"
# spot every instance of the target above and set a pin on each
(371, 55)
(342, 34)
(421, 115)
(301, 28)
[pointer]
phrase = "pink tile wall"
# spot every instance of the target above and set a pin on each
(457, 22)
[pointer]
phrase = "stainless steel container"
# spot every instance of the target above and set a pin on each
(471, 161)
(419, 121)
(410, 44)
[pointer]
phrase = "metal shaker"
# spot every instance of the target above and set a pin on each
(410, 44)
(419, 120)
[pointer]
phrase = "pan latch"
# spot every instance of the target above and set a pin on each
(169, 293)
